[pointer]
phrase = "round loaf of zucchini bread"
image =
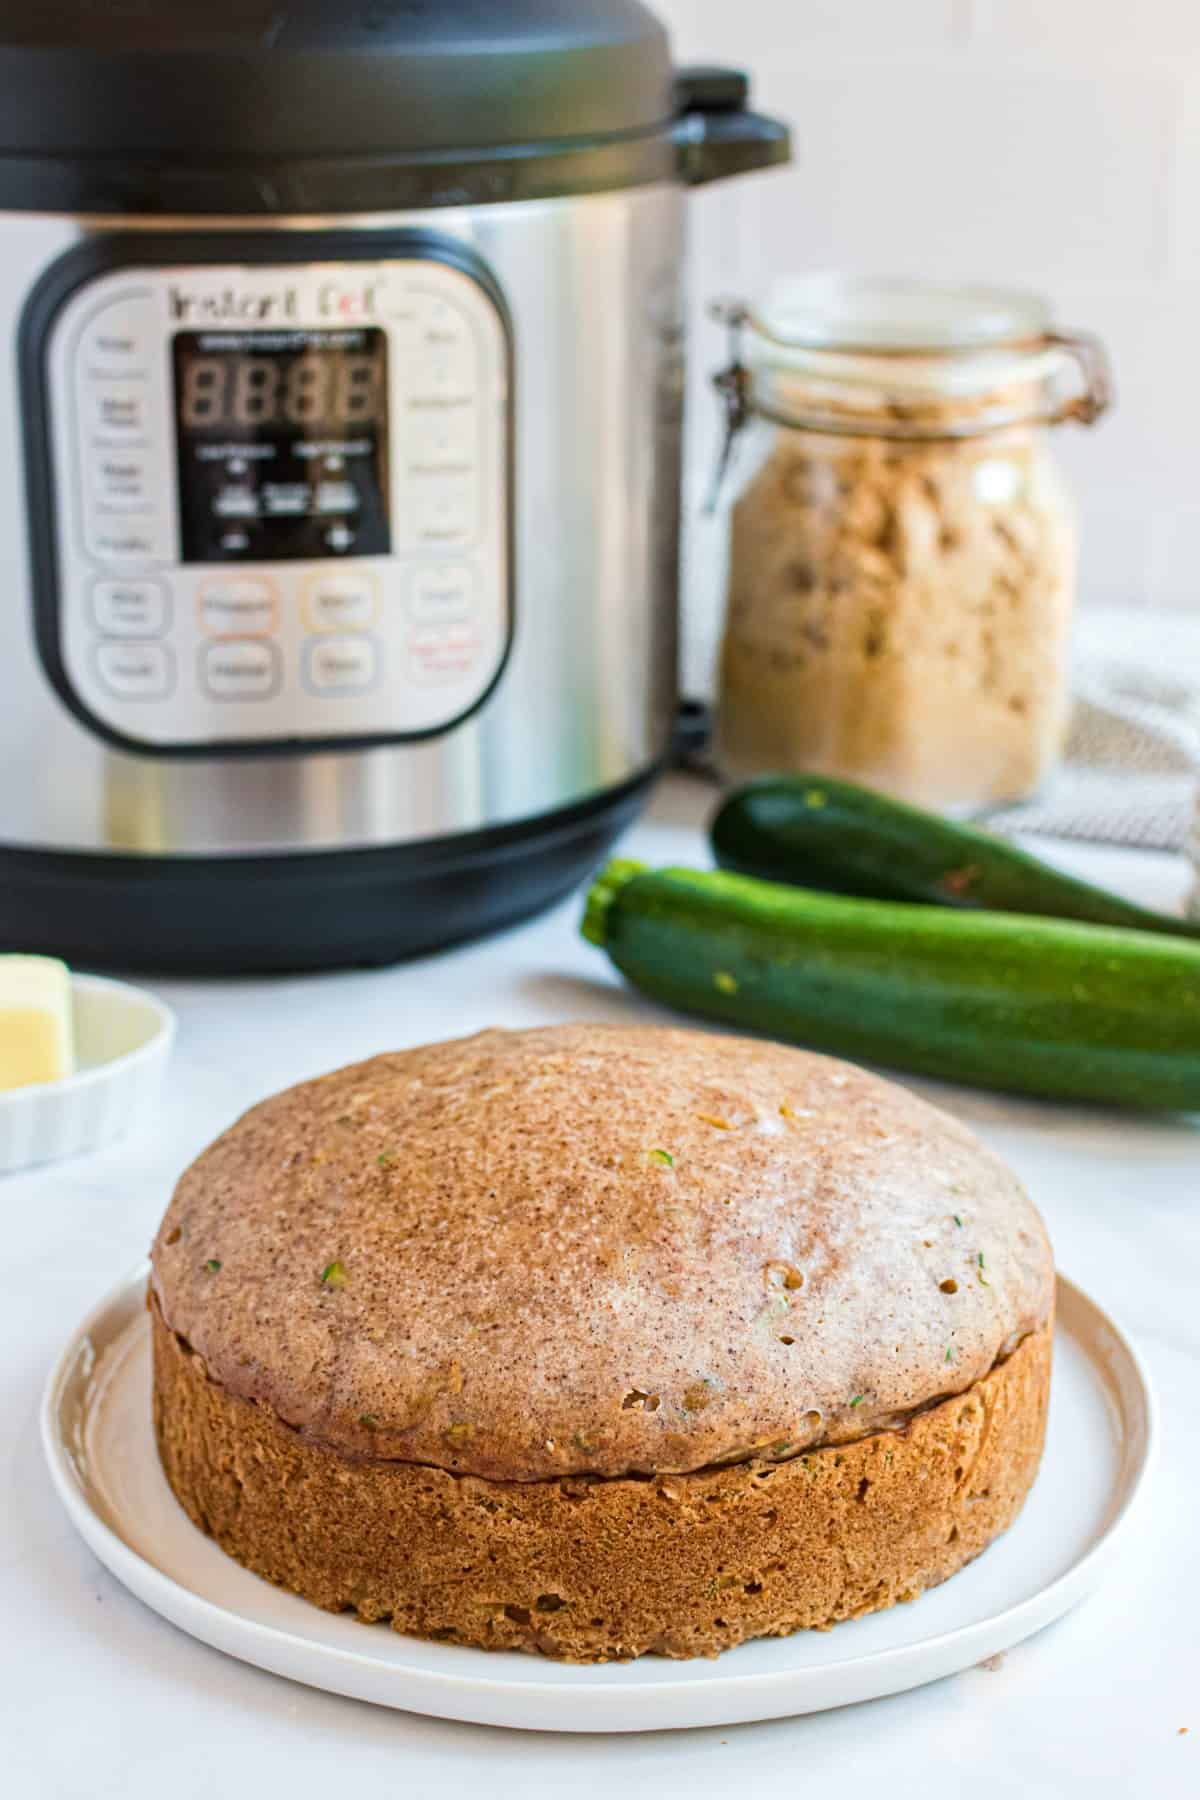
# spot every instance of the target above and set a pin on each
(599, 1340)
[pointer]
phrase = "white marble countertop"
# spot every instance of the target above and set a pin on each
(102, 1698)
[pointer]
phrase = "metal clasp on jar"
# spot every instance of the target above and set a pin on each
(735, 385)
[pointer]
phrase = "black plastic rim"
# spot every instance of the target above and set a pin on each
(693, 148)
(105, 186)
(209, 915)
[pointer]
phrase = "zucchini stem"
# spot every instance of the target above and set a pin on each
(600, 896)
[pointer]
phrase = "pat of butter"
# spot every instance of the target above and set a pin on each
(36, 1040)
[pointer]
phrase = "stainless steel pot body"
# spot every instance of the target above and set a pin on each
(584, 697)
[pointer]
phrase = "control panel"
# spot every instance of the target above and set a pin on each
(278, 498)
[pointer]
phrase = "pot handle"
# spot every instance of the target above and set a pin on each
(715, 135)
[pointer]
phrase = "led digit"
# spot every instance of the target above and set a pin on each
(306, 398)
(255, 390)
(356, 389)
(204, 384)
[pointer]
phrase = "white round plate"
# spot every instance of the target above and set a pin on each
(98, 1440)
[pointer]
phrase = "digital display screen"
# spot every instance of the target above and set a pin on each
(282, 443)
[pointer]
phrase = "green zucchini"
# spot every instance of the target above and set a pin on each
(820, 833)
(1034, 1006)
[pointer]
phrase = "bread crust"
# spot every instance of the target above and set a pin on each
(591, 1569)
(598, 1249)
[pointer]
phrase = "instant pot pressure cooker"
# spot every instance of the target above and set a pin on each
(339, 462)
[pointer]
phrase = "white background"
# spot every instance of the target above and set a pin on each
(1050, 144)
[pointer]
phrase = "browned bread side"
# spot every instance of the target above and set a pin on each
(592, 1569)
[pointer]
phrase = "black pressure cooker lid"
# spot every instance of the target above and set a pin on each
(301, 105)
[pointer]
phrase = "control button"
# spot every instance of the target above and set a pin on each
(447, 368)
(446, 379)
(131, 609)
(236, 503)
(340, 602)
(441, 442)
(443, 323)
(135, 671)
(443, 511)
(340, 665)
(115, 343)
(121, 477)
(115, 408)
(117, 338)
(116, 541)
(286, 499)
(240, 669)
(336, 497)
(442, 365)
(238, 606)
(440, 593)
(443, 655)
(112, 348)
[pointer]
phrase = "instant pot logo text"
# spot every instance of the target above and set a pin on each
(269, 306)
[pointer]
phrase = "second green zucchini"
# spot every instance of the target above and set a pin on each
(818, 832)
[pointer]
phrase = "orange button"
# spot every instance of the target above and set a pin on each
(238, 606)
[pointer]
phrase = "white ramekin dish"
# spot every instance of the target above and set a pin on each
(123, 1037)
